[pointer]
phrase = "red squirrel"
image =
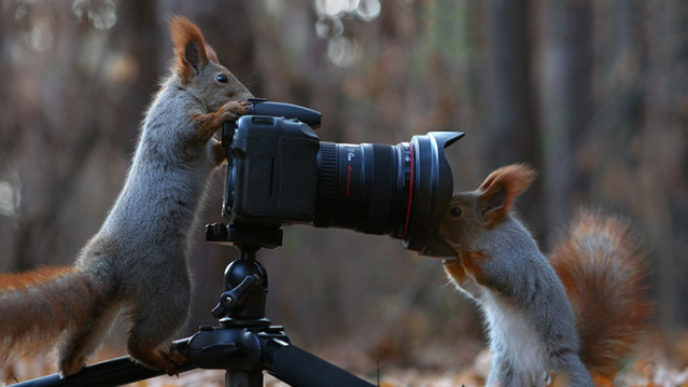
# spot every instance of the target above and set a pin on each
(136, 262)
(550, 320)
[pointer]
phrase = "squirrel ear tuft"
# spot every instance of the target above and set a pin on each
(499, 191)
(189, 47)
(212, 55)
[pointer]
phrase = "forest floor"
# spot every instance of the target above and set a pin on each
(658, 361)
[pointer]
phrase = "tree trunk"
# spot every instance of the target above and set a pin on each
(512, 123)
(664, 122)
(566, 62)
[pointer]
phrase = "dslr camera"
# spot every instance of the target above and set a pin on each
(279, 172)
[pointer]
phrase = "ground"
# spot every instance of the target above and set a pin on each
(659, 360)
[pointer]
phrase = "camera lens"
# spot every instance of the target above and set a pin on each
(401, 190)
(279, 172)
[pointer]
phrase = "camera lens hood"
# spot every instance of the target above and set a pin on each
(432, 177)
(401, 190)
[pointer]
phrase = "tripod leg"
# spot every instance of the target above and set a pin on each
(297, 367)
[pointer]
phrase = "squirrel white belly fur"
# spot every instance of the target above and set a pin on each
(136, 262)
(558, 320)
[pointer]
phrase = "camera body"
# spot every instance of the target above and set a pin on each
(279, 172)
(274, 176)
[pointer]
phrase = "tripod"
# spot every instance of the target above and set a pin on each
(243, 343)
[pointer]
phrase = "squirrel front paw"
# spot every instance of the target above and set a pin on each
(232, 110)
(207, 124)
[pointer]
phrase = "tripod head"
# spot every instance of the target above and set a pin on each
(246, 280)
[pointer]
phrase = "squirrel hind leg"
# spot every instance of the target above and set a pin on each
(150, 337)
(80, 341)
(154, 357)
(570, 371)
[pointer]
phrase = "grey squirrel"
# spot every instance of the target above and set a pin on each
(550, 321)
(136, 262)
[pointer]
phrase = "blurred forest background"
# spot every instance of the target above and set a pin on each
(594, 94)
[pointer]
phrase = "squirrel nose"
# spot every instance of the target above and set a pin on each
(244, 94)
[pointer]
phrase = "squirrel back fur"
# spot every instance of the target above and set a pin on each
(136, 262)
(544, 320)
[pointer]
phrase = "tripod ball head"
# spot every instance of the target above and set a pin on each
(246, 286)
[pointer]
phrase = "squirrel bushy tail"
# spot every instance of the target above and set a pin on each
(37, 306)
(600, 263)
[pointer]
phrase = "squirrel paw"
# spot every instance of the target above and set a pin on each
(232, 109)
(175, 359)
(207, 124)
(168, 361)
(71, 366)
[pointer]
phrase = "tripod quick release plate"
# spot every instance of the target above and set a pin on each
(244, 236)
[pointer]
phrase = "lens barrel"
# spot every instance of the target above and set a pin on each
(401, 190)
(362, 187)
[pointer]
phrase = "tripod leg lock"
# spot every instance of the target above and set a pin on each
(235, 349)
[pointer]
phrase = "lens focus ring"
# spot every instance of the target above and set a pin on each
(327, 183)
(382, 189)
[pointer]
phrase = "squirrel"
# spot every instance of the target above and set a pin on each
(565, 320)
(136, 262)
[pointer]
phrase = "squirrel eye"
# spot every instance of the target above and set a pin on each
(222, 78)
(456, 212)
